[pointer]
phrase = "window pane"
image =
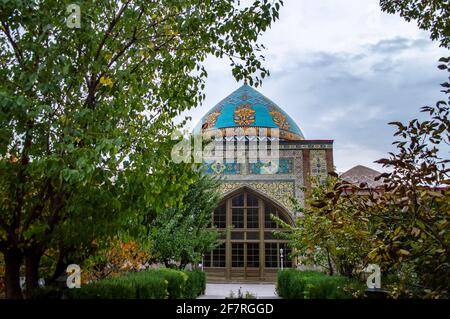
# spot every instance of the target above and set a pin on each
(287, 260)
(207, 260)
(252, 235)
(252, 218)
(237, 235)
(269, 210)
(238, 200)
(253, 255)
(269, 235)
(237, 255)
(245, 212)
(219, 256)
(237, 218)
(220, 216)
(271, 253)
(283, 218)
(252, 201)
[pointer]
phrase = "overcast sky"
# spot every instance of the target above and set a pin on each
(342, 69)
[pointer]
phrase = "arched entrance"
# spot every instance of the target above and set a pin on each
(249, 250)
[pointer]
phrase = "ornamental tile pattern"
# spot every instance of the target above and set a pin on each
(282, 166)
(244, 115)
(211, 119)
(222, 168)
(295, 178)
(298, 172)
(279, 118)
(278, 191)
(245, 108)
(318, 163)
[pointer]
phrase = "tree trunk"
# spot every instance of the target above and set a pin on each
(330, 264)
(61, 264)
(32, 260)
(13, 260)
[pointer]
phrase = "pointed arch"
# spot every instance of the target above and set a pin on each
(250, 249)
(248, 188)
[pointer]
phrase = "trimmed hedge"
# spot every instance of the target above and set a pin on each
(176, 282)
(195, 285)
(295, 284)
(151, 284)
(142, 285)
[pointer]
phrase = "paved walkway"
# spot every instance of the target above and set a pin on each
(220, 291)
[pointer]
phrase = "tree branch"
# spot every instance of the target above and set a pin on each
(114, 21)
(17, 51)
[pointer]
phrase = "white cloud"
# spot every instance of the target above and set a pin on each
(348, 155)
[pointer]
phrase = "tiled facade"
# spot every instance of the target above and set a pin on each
(285, 180)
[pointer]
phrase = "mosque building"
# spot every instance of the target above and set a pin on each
(253, 190)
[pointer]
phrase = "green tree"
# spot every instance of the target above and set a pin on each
(406, 227)
(332, 231)
(413, 214)
(85, 112)
(182, 235)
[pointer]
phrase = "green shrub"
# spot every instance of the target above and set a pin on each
(150, 284)
(150, 288)
(294, 284)
(195, 285)
(142, 285)
(176, 281)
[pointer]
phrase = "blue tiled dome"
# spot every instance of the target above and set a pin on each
(247, 108)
